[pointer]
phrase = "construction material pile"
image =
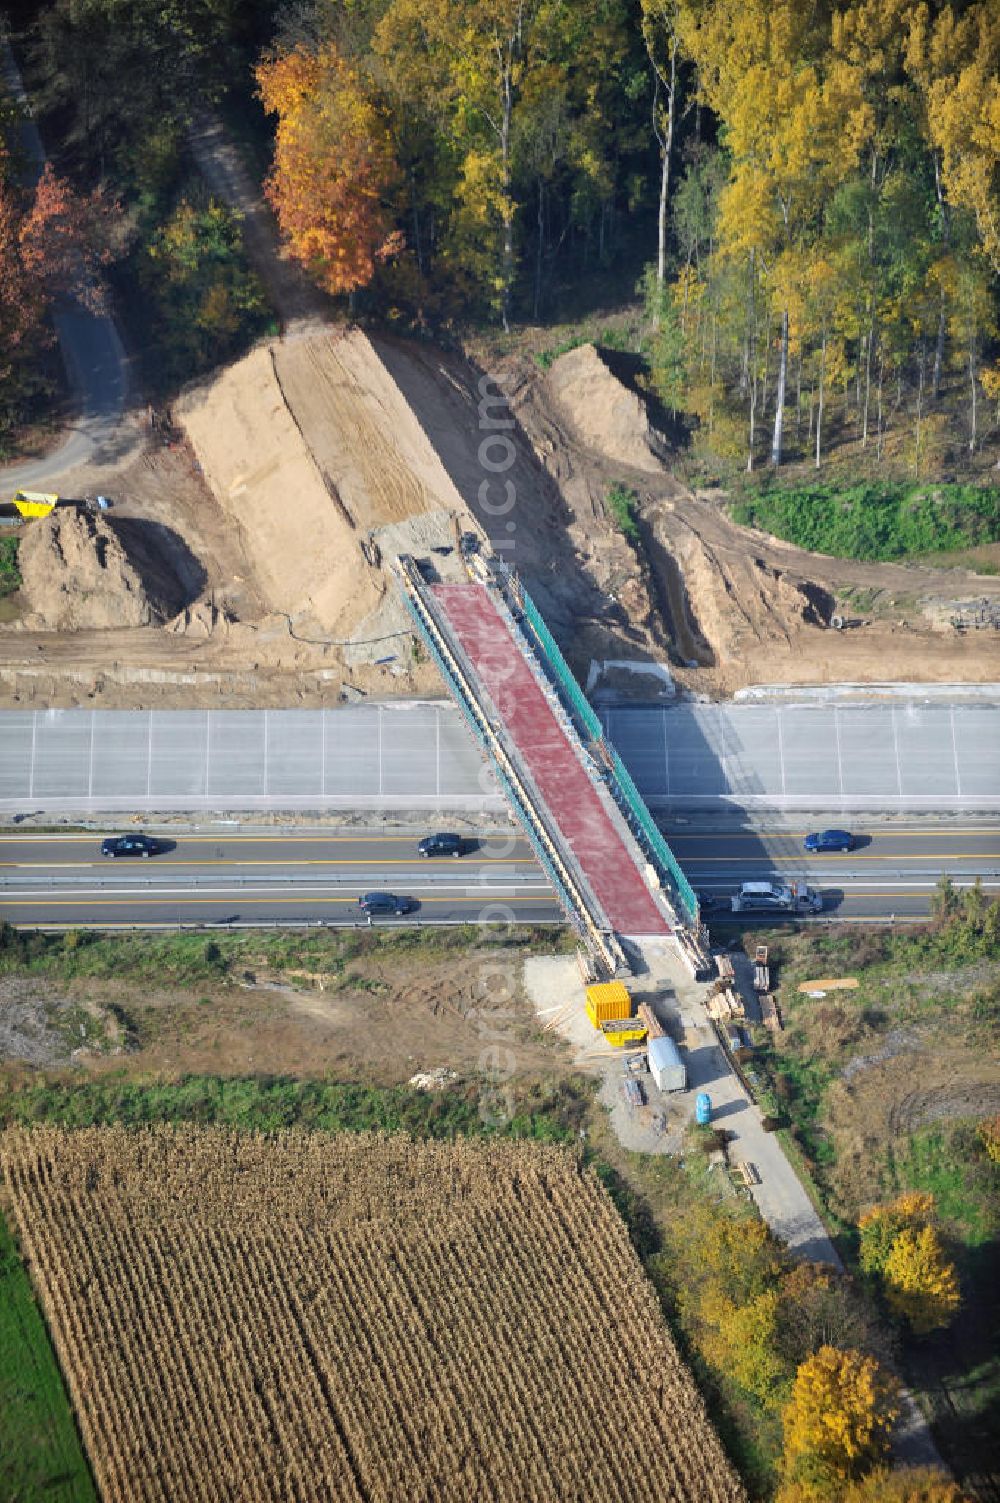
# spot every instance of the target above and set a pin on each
(78, 574)
(607, 414)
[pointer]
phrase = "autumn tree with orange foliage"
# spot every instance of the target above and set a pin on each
(66, 238)
(333, 166)
(53, 241)
(837, 1425)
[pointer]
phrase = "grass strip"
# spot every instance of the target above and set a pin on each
(41, 1455)
(874, 521)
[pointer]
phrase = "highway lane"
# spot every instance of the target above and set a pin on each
(295, 849)
(892, 873)
(310, 876)
(927, 849)
(307, 878)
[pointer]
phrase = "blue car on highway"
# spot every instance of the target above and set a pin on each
(829, 840)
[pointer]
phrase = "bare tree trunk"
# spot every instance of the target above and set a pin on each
(870, 344)
(879, 431)
(918, 432)
(939, 351)
(972, 378)
(819, 410)
(417, 238)
(539, 251)
(752, 360)
(779, 404)
(798, 394)
(666, 139)
(942, 318)
(508, 208)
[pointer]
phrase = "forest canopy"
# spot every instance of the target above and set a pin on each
(814, 188)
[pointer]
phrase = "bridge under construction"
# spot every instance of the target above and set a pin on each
(609, 863)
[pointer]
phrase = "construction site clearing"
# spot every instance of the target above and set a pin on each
(244, 558)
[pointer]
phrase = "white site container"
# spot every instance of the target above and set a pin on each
(666, 1066)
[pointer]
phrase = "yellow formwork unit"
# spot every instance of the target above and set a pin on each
(621, 1031)
(608, 1001)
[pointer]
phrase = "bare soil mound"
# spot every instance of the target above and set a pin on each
(79, 574)
(608, 416)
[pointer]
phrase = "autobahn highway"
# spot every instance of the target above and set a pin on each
(309, 876)
(892, 872)
(297, 877)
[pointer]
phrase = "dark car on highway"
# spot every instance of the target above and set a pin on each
(829, 840)
(442, 844)
(130, 845)
(385, 902)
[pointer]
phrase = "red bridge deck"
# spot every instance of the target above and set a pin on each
(571, 798)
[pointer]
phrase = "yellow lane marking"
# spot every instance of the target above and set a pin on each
(235, 861)
(849, 856)
(681, 835)
(167, 901)
(27, 839)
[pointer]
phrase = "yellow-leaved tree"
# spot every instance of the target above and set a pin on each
(917, 1484)
(741, 1340)
(838, 1422)
(901, 1245)
(989, 1130)
(955, 59)
(921, 1285)
(905, 1485)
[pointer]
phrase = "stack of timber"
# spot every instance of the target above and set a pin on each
(761, 972)
(694, 955)
(724, 1005)
(770, 1013)
(724, 1001)
(654, 1028)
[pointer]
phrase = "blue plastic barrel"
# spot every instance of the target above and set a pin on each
(703, 1108)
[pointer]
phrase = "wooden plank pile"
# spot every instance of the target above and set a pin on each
(724, 1001)
(761, 972)
(694, 955)
(770, 1013)
(654, 1028)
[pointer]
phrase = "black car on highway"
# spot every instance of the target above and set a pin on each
(385, 902)
(442, 844)
(130, 845)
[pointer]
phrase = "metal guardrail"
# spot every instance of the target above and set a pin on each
(652, 838)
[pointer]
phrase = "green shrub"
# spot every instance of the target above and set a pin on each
(623, 506)
(874, 521)
(10, 575)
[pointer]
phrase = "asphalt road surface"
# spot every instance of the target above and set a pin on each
(316, 876)
(303, 878)
(893, 871)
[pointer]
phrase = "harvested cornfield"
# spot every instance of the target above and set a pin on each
(319, 1317)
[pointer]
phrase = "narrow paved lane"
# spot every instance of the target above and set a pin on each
(89, 343)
